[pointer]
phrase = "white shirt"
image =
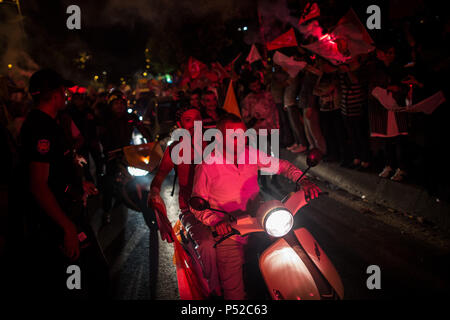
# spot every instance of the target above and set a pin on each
(229, 187)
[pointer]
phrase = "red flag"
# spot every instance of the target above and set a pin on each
(191, 284)
(285, 40)
(348, 39)
(230, 67)
(289, 64)
(253, 55)
(220, 71)
(351, 27)
(230, 105)
(195, 67)
(310, 12)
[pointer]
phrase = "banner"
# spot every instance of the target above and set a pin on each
(289, 64)
(348, 39)
(287, 39)
(231, 104)
(311, 11)
(253, 55)
(426, 106)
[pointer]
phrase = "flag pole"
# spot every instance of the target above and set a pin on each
(261, 31)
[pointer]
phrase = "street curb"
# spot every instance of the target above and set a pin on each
(405, 198)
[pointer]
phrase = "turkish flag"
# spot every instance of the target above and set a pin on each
(230, 67)
(195, 67)
(348, 39)
(285, 40)
(253, 55)
(311, 11)
(220, 71)
(289, 64)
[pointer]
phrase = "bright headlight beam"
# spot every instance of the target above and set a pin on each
(278, 222)
(136, 172)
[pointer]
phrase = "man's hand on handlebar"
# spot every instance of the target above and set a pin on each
(223, 228)
(311, 190)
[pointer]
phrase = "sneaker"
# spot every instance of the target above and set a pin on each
(399, 175)
(386, 172)
(355, 164)
(299, 149)
(292, 147)
(364, 167)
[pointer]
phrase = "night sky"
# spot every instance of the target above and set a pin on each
(115, 33)
(114, 46)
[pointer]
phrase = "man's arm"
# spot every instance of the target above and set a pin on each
(274, 165)
(288, 170)
(154, 198)
(39, 172)
(165, 166)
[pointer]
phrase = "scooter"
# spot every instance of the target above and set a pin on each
(134, 164)
(132, 186)
(294, 267)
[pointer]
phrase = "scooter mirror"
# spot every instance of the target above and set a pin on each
(198, 203)
(314, 157)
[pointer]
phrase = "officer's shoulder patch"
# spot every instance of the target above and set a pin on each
(43, 146)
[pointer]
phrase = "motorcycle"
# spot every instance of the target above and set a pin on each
(134, 165)
(294, 267)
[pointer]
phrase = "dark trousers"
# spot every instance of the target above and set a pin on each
(39, 270)
(394, 152)
(297, 127)
(333, 130)
(286, 137)
(358, 137)
(108, 184)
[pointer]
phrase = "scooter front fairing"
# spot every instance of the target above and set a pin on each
(296, 268)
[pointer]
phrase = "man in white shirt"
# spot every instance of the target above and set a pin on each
(233, 187)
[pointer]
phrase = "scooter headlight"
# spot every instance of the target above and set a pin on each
(278, 222)
(136, 172)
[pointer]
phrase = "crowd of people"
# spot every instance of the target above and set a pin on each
(326, 106)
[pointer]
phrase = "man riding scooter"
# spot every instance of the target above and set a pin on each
(185, 172)
(232, 186)
(117, 133)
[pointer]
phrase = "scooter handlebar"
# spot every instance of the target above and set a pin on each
(232, 233)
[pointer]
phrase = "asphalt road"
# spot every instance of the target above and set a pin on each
(411, 266)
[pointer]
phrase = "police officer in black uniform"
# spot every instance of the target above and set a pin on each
(52, 183)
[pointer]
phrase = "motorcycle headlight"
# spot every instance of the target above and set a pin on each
(136, 172)
(278, 222)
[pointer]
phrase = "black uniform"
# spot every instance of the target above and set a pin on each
(43, 140)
